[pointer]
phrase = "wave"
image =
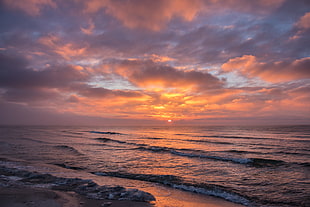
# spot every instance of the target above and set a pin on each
(290, 153)
(178, 183)
(208, 141)
(258, 162)
(179, 152)
(238, 151)
(261, 153)
(68, 148)
(267, 153)
(111, 133)
(231, 137)
(262, 162)
(68, 166)
(197, 154)
(305, 164)
(301, 136)
(102, 139)
(244, 152)
(301, 140)
(72, 132)
(156, 138)
(34, 140)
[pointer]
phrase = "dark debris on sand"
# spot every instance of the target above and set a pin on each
(88, 188)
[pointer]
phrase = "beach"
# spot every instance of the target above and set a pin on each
(21, 188)
(155, 166)
(22, 197)
(38, 197)
(155, 103)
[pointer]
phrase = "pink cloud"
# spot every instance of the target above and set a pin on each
(154, 15)
(304, 21)
(280, 71)
(88, 30)
(64, 49)
(147, 14)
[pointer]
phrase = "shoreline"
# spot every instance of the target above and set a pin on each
(39, 197)
(37, 189)
(65, 195)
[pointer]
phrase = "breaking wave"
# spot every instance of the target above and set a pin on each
(111, 133)
(102, 139)
(178, 183)
(68, 148)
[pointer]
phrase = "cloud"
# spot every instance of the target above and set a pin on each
(279, 71)
(184, 94)
(164, 59)
(59, 85)
(159, 58)
(97, 92)
(302, 27)
(58, 46)
(260, 6)
(151, 75)
(90, 29)
(33, 96)
(48, 87)
(304, 21)
(149, 14)
(31, 7)
(15, 73)
(154, 15)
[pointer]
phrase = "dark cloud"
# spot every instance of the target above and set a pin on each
(15, 73)
(32, 96)
(95, 92)
(151, 74)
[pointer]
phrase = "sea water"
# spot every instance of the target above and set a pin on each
(253, 166)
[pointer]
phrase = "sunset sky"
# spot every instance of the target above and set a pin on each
(150, 61)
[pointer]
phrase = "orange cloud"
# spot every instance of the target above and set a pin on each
(280, 71)
(149, 14)
(108, 103)
(66, 50)
(88, 30)
(304, 21)
(154, 15)
(160, 58)
(31, 7)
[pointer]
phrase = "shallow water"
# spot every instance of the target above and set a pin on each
(254, 166)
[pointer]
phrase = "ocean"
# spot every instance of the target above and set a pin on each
(252, 166)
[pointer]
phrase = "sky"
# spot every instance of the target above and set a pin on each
(137, 62)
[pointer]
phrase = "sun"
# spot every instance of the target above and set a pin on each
(169, 121)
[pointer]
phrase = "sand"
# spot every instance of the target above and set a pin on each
(20, 194)
(39, 197)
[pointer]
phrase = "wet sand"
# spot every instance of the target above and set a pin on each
(13, 194)
(38, 197)
(41, 197)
